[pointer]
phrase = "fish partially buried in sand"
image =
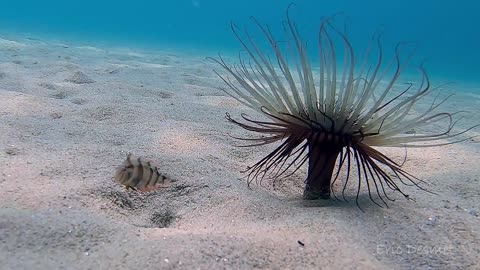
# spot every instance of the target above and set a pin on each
(139, 174)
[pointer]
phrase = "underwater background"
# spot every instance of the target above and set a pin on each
(445, 33)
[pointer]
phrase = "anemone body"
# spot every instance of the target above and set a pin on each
(330, 115)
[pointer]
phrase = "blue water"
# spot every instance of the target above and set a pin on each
(447, 33)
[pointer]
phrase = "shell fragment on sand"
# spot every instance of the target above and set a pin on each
(80, 78)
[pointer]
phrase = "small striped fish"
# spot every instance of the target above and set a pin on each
(139, 174)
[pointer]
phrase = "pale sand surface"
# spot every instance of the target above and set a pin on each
(63, 134)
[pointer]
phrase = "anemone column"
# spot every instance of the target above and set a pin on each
(322, 157)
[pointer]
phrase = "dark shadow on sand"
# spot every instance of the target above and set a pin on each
(350, 201)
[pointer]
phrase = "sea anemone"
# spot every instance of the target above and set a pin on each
(337, 116)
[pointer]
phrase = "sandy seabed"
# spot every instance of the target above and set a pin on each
(69, 114)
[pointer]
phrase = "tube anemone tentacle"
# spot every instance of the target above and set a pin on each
(333, 118)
